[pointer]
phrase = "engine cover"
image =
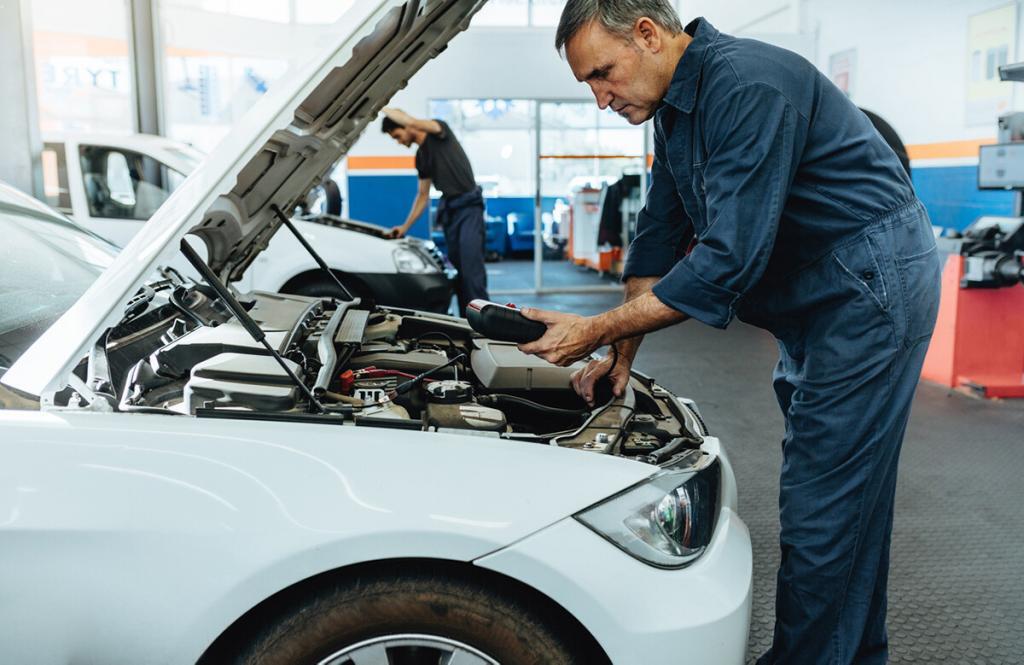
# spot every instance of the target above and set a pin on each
(502, 366)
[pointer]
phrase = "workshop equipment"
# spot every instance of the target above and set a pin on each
(979, 337)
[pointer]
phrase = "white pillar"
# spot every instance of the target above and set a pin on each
(144, 66)
(20, 163)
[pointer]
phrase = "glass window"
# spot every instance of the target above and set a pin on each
(503, 13)
(221, 56)
(585, 146)
(497, 135)
(320, 11)
(545, 12)
(55, 177)
(83, 75)
(46, 264)
(121, 184)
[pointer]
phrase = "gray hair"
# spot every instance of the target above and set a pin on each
(616, 16)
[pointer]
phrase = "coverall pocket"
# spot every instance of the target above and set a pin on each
(920, 279)
(859, 261)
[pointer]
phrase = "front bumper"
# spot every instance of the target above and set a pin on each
(429, 292)
(643, 615)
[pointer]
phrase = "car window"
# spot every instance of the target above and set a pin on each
(46, 264)
(123, 184)
(55, 177)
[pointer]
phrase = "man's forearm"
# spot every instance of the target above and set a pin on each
(641, 313)
(635, 286)
(418, 206)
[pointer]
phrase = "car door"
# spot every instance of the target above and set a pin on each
(122, 189)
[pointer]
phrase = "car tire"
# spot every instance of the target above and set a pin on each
(474, 622)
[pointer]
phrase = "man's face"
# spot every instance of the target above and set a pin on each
(620, 73)
(403, 136)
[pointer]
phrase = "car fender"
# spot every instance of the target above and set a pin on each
(342, 249)
(148, 535)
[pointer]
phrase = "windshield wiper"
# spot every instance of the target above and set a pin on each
(312, 252)
(247, 322)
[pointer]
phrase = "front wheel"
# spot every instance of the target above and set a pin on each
(411, 619)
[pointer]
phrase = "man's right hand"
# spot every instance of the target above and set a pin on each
(396, 232)
(583, 380)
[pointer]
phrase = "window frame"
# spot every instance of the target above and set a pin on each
(129, 155)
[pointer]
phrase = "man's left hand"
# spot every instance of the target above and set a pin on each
(398, 115)
(569, 337)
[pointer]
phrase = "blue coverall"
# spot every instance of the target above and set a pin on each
(801, 221)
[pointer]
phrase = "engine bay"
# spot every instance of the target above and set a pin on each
(184, 353)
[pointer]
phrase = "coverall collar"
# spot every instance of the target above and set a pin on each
(682, 92)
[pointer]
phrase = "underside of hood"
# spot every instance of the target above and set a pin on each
(240, 223)
(275, 155)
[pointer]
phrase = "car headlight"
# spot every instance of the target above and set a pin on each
(667, 520)
(409, 260)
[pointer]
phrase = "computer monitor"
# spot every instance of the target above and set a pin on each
(1001, 166)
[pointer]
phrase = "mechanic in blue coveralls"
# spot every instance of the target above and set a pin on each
(441, 162)
(775, 201)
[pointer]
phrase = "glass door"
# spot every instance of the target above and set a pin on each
(562, 182)
(591, 171)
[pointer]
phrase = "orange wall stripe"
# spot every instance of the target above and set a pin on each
(380, 163)
(947, 150)
(591, 156)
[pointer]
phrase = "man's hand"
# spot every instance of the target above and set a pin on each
(398, 115)
(583, 380)
(569, 337)
(396, 232)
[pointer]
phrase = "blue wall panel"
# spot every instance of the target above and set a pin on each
(953, 199)
(951, 195)
(385, 200)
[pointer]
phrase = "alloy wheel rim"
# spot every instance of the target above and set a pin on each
(387, 649)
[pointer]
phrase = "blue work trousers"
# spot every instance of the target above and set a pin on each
(853, 329)
(462, 218)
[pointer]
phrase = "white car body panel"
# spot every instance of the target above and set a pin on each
(342, 249)
(178, 156)
(666, 627)
(350, 251)
(223, 514)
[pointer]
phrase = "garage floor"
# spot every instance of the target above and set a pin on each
(957, 579)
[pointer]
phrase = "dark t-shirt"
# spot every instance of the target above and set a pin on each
(442, 159)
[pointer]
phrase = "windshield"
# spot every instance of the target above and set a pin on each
(46, 264)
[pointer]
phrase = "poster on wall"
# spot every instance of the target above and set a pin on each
(991, 41)
(842, 68)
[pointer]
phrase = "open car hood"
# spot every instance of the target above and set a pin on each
(282, 147)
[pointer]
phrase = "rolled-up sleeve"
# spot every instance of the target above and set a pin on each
(754, 139)
(662, 226)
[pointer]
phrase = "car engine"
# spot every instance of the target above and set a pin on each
(186, 354)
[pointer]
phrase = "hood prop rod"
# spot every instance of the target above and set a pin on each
(309, 248)
(247, 322)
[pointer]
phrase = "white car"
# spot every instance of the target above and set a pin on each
(112, 185)
(196, 473)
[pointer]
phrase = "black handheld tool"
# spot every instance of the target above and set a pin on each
(503, 322)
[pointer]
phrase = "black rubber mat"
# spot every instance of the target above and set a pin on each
(956, 592)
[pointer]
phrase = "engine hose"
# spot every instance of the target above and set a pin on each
(553, 410)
